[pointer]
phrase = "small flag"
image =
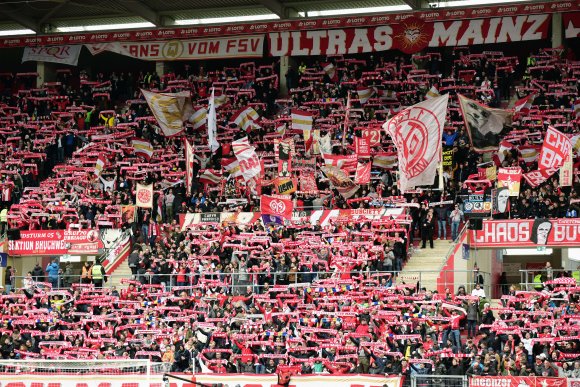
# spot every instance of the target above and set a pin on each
(363, 173)
(210, 176)
(524, 105)
(365, 93)
(100, 165)
(142, 148)
(198, 118)
(245, 118)
(330, 70)
(432, 93)
(301, 120)
(144, 195)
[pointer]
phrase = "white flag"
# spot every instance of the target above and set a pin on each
(212, 124)
(170, 109)
(144, 196)
(189, 161)
(416, 132)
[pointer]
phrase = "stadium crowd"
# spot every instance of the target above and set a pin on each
(326, 298)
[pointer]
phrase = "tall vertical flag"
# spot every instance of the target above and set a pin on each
(416, 133)
(250, 165)
(142, 148)
(189, 161)
(302, 120)
(212, 124)
(144, 196)
(100, 165)
(577, 109)
(485, 126)
(346, 119)
(567, 171)
(171, 110)
(159, 215)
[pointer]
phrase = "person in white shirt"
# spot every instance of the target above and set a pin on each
(478, 291)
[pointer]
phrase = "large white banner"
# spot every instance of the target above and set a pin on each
(247, 157)
(249, 46)
(416, 132)
(66, 54)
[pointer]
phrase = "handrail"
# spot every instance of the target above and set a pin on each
(243, 280)
(453, 244)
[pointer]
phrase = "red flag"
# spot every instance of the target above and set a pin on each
(270, 205)
(362, 148)
(363, 173)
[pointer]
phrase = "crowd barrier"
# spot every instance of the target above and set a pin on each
(251, 380)
(232, 380)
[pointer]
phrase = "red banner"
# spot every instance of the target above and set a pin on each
(275, 206)
(527, 233)
(56, 242)
(296, 25)
(362, 148)
(516, 381)
(571, 25)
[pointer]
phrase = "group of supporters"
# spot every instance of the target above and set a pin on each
(278, 294)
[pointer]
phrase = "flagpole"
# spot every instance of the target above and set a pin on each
(346, 119)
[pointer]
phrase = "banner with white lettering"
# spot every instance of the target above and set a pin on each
(66, 54)
(528, 233)
(249, 46)
(410, 35)
(57, 242)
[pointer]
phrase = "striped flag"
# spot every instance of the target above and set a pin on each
(346, 163)
(232, 166)
(210, 176)
(387, 160)
(330, 70)
(529, 153)
(198, 118)
(100, 165)
(301, 120)
(220, 99)
(189, 161)
(142, 148)
(432, 93)
(577, 109)
(281, 128)
(245, 118)
(365, 93)
(575, 140)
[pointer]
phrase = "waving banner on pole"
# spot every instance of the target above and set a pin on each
(416, 133)
(170, 109)
(247, 158)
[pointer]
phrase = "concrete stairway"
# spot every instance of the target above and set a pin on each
(428, 262)
(122, 271)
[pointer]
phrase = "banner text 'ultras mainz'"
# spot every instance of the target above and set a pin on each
(410, 36)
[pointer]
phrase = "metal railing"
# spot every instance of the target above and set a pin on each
(238, 282)
(438, 381)
(527, 277)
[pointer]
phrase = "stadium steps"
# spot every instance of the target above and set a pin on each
(429, 262)
(123, 271)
